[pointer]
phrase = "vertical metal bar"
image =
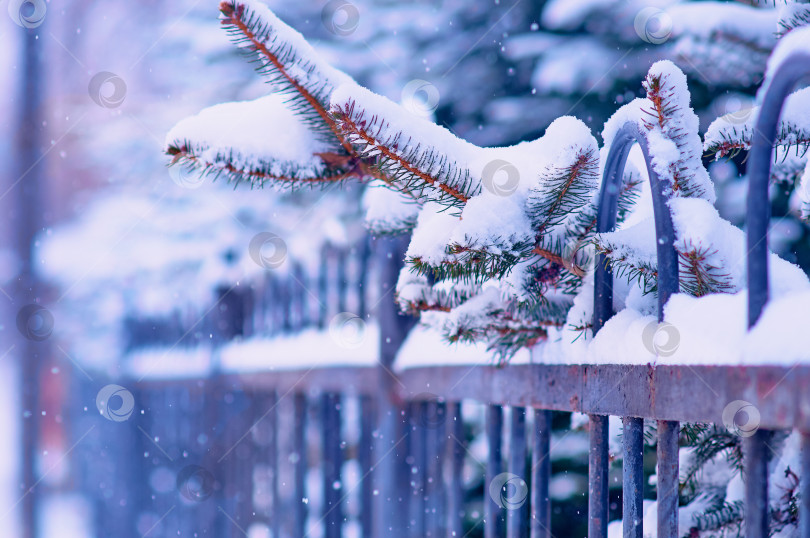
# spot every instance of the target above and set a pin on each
(667, 484)
(493, 517)
(517, 500)
(431, 453)
(756, 484)
(362, 276)
(332, 487)
(303, 296)
(434, 427)
(323, 289)
(418, 454)
(300, 462)
(398, 507)
(455, 441)
(440, 486)
(28, 221)
(364, 451)
(286, 303)
(598, 465)
(342, 282)
(804, 485)
(541, 475)
(791, 70)
(273, 450)
(633, 477)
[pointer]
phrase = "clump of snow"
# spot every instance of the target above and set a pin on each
(264, 134)
(387, 210)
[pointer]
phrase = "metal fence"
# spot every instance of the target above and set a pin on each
(364, 451)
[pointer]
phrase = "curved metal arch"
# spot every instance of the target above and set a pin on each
(628, 135)
(793, 68)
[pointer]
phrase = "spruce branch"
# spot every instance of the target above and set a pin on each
(407, 163)
(698, 275)
(666, 113)
(728, 135)
(277, 56)
(222, 166)
(564, 191)
(793, 16)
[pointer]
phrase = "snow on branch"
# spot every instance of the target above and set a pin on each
(496, 228)
(287, 60)
(389, 212)
(671, 129)
(254, 141)
(792, 16)
(412, 151)
(730, 134)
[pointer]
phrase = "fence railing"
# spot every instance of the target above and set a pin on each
(391, 445)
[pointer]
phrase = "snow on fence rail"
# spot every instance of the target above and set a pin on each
(401, 429)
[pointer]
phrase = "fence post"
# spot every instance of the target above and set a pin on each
(393, 329)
